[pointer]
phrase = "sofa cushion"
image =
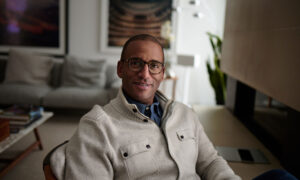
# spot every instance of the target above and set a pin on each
(28, 68)
(22, 94)
(84, 72)
(74, 97)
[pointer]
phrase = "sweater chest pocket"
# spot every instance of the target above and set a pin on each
(185, 135)
(187, 144)
(139, 159)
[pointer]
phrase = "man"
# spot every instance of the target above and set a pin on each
(140, 134)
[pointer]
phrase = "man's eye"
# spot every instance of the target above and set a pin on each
(135, 62)
(154, 65)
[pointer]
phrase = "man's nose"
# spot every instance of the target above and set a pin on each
(144, 72)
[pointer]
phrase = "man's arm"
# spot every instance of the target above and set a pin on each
(209, 164)
(87, 153)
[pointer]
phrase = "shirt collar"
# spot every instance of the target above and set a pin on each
(142, 107)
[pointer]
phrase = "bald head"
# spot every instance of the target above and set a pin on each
(140, 37)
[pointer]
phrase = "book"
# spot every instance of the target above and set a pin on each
(16, 126)
(22, 123)
(20, 113)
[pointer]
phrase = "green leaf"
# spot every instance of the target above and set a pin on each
(216, 77)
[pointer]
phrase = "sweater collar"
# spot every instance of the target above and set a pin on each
(142, 107)
(131, 109)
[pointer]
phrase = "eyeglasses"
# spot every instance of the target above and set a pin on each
(137, 64)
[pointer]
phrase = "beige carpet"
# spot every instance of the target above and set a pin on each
(56, 130)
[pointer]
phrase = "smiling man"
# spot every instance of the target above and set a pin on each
(140, 134)
(139, 81)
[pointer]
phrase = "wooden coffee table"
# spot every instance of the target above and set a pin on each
(13, 138)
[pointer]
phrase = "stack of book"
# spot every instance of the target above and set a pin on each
(21, 116)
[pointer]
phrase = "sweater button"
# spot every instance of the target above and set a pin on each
(182, 137)
(125, 154)
(148, 146)
(145, 120)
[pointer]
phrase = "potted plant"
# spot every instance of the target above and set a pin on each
(216, 77)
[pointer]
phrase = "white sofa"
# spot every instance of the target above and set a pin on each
(72, 82)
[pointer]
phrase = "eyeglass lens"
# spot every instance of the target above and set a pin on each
(137, 64)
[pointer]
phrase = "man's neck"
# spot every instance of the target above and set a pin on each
(135, 100)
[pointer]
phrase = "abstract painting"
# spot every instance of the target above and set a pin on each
(33, 24)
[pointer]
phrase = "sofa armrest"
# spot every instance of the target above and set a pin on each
(48, 173)
(112, 79)
(115, 84)
(46, 163)
(56, 72)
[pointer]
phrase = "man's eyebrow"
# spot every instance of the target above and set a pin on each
(156, 61)
(153, 60)
(135, 58)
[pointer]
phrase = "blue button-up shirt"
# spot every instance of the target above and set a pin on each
(153, 111)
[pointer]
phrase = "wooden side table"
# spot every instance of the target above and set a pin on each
(174, 79)
(14, 138)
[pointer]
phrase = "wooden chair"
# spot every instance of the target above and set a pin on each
(46, 163)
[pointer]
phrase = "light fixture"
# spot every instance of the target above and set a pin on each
(199, 15)
(195, 2)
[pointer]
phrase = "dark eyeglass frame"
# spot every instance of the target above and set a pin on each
(143, 65)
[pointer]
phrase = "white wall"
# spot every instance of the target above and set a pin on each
(192, 39)
(84, 37)
(84, 29)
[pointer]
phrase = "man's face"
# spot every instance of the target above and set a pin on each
(141, 85)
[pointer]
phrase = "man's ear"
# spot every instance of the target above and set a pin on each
(120, 69)
(163, 71)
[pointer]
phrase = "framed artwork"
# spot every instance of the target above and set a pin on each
(121, 19)
(38, 26)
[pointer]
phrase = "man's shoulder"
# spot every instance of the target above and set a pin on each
(180, 106)
(100, 113)
(95, 113)
(181, 109)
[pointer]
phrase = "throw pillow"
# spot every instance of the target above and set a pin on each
(84, 72)
(27, 68)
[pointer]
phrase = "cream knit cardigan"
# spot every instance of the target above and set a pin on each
(118, 142)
